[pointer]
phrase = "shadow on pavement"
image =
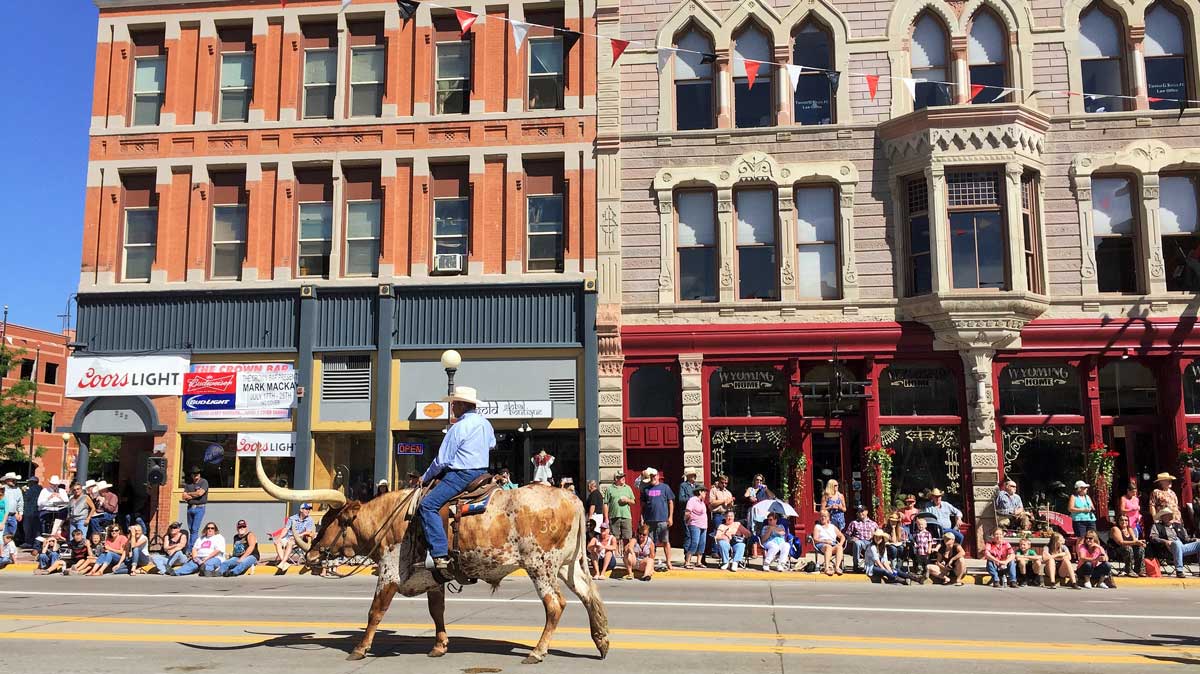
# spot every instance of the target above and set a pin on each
(1165, 641)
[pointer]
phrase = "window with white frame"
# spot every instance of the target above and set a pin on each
(975, 202)
(987, 58)
(696, 245)
(237, 85)
(545, 217)
(1178, 221)
(362, 237)
(1166, 52)
(316, 238)
(694, 101)
(753, 105)
(817, 242)
(367, 74)
(1115, 231)
(451, 217)
(141, 238)
(320, 72)
(814, 94)
(1101, 60)
(453, 77)
(545, 73)
(919, 279)
(228, 241)
(930, 55)
(758, 262)
(1031, 233)
(149, 89)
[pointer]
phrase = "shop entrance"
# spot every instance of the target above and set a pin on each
(1138, 463)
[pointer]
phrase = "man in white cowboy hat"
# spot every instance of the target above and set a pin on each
(947, 516)
(15, 504)
(52, 504)
(462, 457)
(1164, 498)
(107, 504)
(1174, 538)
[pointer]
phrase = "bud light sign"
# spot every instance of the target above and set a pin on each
(208, 401)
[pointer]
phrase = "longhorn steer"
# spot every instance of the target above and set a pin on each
(537, 528)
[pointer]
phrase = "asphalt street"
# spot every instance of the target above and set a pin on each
(302, 625)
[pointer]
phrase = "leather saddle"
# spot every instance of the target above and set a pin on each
(471, 501)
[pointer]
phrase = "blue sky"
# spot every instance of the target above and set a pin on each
(49, 62)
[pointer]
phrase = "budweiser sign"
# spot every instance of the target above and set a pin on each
(195, 383)
(89, 376)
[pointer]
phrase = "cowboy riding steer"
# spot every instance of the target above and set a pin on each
(537, 528)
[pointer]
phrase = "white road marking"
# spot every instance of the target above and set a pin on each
(976, 613)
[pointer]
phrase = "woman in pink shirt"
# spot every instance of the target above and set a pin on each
(1131, 507)
(695, 517)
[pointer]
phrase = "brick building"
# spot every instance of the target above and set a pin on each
(43, 360)
(342, 194)
(987, 276)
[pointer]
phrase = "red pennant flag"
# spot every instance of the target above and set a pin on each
(618, 48)
(872, 85)
(751, 71)
(465, 20)
(283, 4)
(1155, 99)
(975, 89)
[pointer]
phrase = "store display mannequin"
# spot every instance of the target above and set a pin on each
(541, 466)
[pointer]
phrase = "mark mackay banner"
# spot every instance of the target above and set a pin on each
(89, 376)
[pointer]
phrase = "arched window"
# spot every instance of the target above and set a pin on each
(752, 104)
(694, 108)
(930, 54)
(1166, 47)
(812, 47)
(1101, 60)
(987, 56)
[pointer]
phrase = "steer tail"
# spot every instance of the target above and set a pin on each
(578, 556)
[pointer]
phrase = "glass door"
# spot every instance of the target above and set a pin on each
(1138, 462)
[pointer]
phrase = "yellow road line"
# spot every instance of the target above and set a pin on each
(616, 632)
(914, 653)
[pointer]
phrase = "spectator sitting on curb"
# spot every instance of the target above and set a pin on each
(245, 552)
(84, 553)
(909, 511)
(639, 556)
(602, 552)
(1029, 564)
(898, 547)
(8, 551)
(922, 546)
(774, 542)
(949, 563)
(52, 505)
(107, 505)
(731, 542)
(1129, 548)
(858, 535)
(299, 525)
(1093, 563)
(139, 552)
(1001, 560)
(876, 563)
(1172, 537)
(48, 561)
(115, 544)
(830, 542)
(947, 515)
(174, 549)
(1056, 562)
(207, 553)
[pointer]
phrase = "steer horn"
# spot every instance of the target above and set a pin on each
(332, 497)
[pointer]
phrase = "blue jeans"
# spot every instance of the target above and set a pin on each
(99, 523)
(10, 524)
(1081, 528)
(1010, 570)
(137, 559)
(47, 559)
(210, 564)
(233, 567)
(1179, 549)
(195, 520)
(726, 550)
(80, 526)
(694, 543)
(857, 548)
(162, 563)
(453, 482)
(107, 558)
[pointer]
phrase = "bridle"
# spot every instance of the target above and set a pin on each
(360, 565)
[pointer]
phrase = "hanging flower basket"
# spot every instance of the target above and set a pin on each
(879, 458)
(1099, 465)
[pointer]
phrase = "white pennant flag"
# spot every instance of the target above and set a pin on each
(912, 86)
(1005, 92)
(520, 28)
(794, 73)
(664, 57)
(345, 4)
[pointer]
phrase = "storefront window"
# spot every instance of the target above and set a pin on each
(515, 451)
(1191, 388)
(214, 453)
(926, 457)
(824, 391)
(1039, 389)
(653, 392)
(1127, 388)
(918, 389)
(1044, 461)
(414, 452)
(280, 470)
(345, 461)
(745, 391)
(741, 452)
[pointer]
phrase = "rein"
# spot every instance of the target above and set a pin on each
(386, 523)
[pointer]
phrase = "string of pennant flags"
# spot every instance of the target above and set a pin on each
(752, 68)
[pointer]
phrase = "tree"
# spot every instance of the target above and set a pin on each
(102, 451)
(17, 414)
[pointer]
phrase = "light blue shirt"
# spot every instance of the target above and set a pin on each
(465, 446)
(13, 499)
(299, 526)
(944, 514)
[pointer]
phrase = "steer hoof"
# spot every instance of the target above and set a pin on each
(438, 650)
(356, 655)
(602, 646)
(532, 659)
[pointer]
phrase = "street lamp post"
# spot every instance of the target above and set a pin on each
(66, 437)
(450, 362)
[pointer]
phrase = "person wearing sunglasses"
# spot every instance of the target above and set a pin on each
(207, 554)
(115, 544)
(245, 552)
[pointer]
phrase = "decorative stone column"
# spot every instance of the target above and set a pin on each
(692, 397)
(611, 366)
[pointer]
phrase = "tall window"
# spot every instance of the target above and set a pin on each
(1177, 218)
(314, 191)
(149, 77)
(694, 107)
(451, 217)
(753, 105)
(977, 250)
(1114, 226)
(229, 225)
(237, 74)
(141, 227)
(987, 55)
(546, 73)
(368, 68)
(320, 70)
(813, 98)
(1165, 48)
(544, 210)
(1101, 60)
(930, 54)
(697, 245)
(920, 269)
(816, 242)
(453, 77)
(1030, 233)
(364, 216)
(758, 264)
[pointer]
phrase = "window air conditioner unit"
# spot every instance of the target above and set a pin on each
(448, 263)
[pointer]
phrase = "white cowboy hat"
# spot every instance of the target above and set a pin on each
(649, 473)
(9, 476)
(89, 484)
(103, 484)
(466, 394)
(690, 471)
(55, 480)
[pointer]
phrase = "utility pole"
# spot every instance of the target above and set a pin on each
(3, 335)
(32, 427)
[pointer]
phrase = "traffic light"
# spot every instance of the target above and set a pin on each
(156, 471)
